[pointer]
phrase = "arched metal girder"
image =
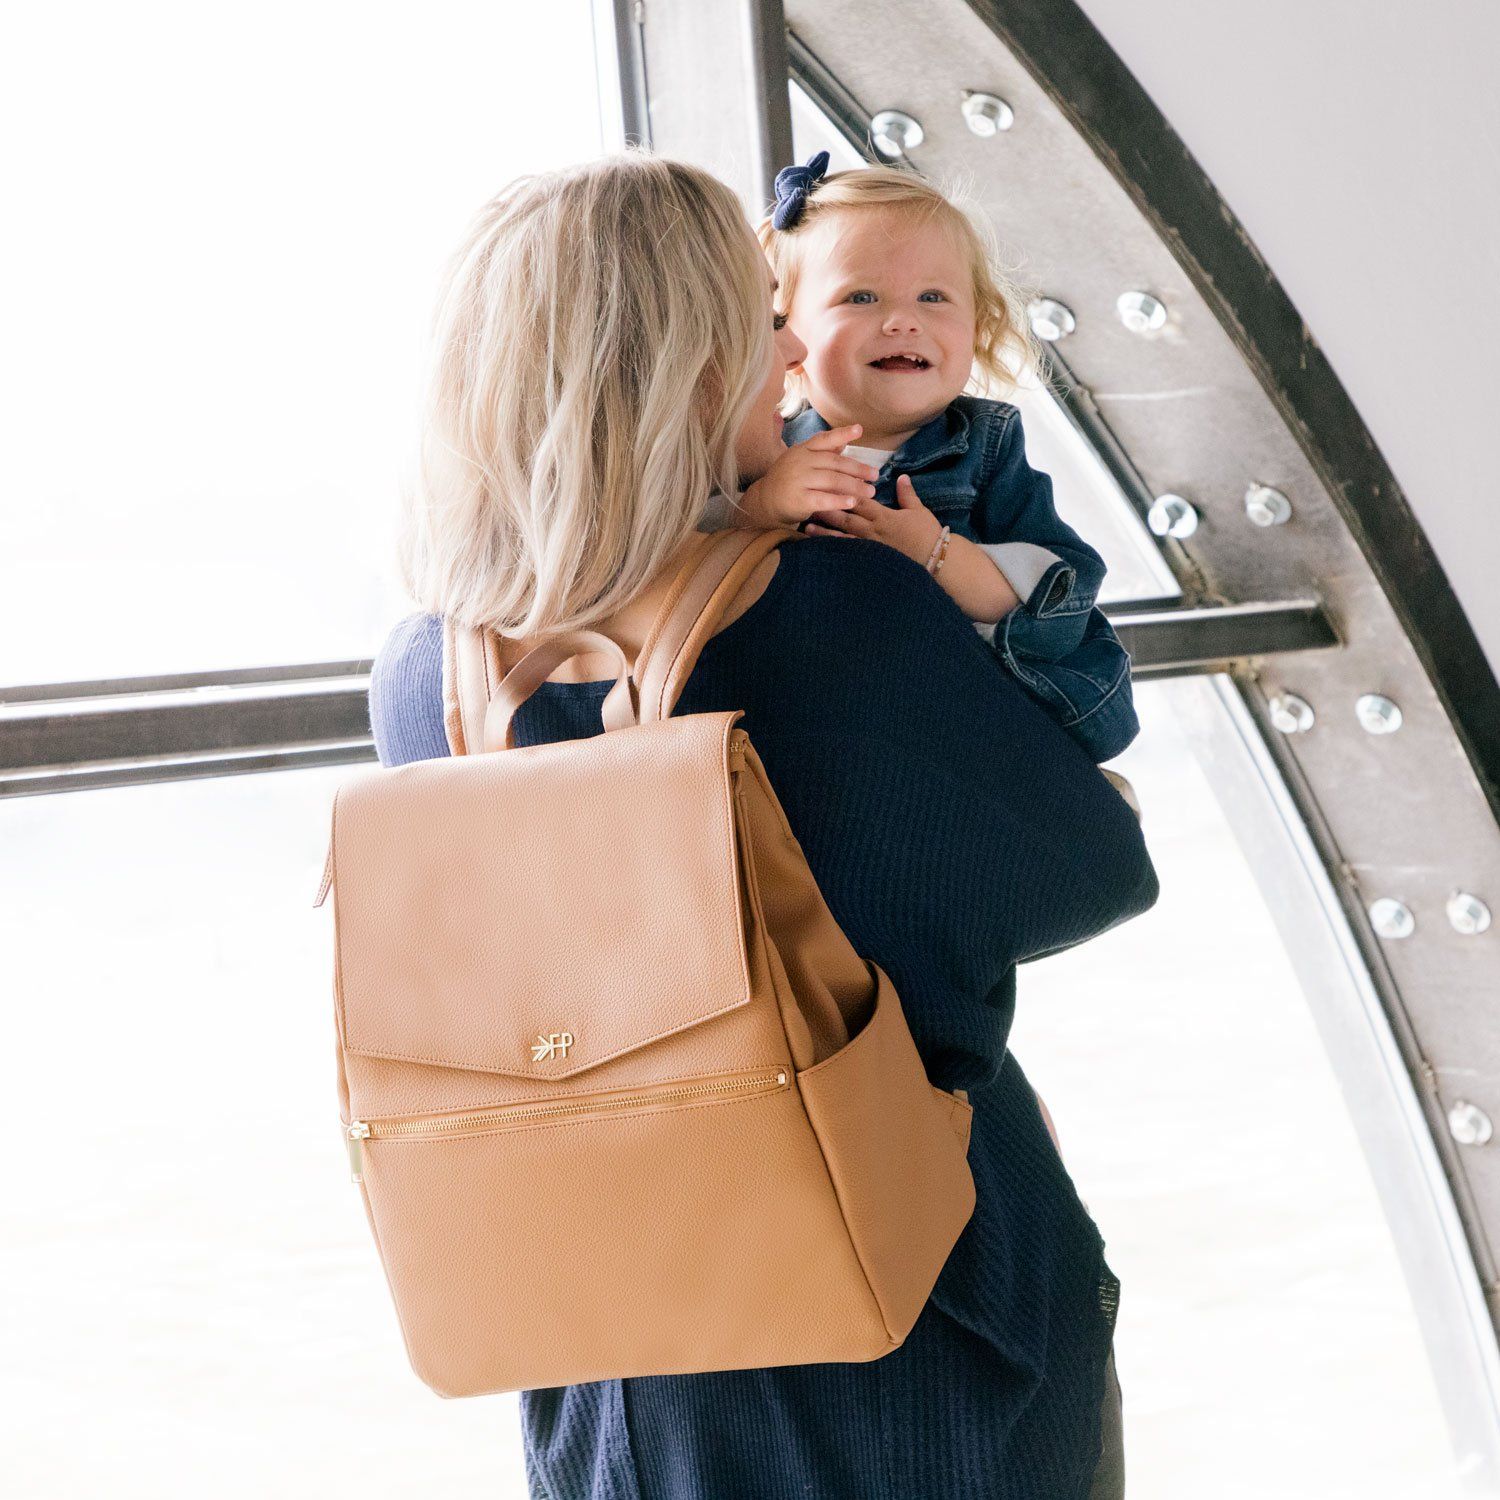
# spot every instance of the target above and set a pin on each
(1092, 184)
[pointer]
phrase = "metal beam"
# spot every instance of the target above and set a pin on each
(705, 82)
(830, 95)
(620, 64)
(134, 687)
(1180, 640)
(62, 737)
(1059, 45)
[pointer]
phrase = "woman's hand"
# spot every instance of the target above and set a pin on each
(809, 478)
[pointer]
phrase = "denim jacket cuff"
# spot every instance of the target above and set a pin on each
(1043, 581)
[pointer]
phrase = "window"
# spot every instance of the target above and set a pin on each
(1263, 1312)
(225, 235)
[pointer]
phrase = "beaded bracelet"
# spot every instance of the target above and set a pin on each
(939, 552)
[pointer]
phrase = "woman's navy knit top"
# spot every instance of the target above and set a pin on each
(954, 831)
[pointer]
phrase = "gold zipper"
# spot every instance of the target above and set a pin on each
(477, 1122)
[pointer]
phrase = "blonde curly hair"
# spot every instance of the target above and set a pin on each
(1005, 349)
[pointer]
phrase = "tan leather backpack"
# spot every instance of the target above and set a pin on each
(620, 1096)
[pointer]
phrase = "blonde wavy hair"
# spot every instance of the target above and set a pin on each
(600, 336)
(1005, 349)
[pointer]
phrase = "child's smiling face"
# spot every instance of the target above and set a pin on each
(885, 305)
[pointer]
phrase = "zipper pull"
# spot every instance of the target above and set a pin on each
(357, 1133)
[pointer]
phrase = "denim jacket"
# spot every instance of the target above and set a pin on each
(968, 466)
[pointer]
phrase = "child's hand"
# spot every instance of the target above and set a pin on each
(969, 575)
(910, 528)
(809, 478)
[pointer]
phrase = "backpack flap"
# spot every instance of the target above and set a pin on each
(539, 912)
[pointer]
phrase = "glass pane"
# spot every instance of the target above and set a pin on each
(812, 131)
(1089, 500)
(1266, 1343)
(204, 1312)
(225, 235)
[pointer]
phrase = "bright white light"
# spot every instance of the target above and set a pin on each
(224, 234)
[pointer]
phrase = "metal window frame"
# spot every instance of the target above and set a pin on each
(1384, 1023)
(81, 736)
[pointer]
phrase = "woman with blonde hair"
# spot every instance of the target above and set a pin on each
(606, 376)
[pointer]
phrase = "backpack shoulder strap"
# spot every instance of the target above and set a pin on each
(694, 604)
(686, 620)
(471, 672)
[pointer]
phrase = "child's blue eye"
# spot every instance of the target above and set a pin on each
(854, 295)
(933, 294)
(778, 321)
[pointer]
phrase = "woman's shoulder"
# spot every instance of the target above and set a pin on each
(852, 599)
(408, 655)
(858, 632)
(849, 562)
(406, 691)
(858, 580)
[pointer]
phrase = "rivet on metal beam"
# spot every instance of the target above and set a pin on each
(987, 114)
(1171, 515)
(1468, 1124)
(1140, 312)
(895, 133)
(1050, 320)
(1267, 507)
(1291, 714)
(1391, 918)
(1377, 714)
(1468, 914)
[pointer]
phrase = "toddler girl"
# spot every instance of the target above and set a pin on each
(890, 287)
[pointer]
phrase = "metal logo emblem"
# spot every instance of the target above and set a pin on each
(554, 1044)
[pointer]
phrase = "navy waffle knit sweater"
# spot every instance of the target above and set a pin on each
(955, 831)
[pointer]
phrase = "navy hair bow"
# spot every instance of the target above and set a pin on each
(793, 184)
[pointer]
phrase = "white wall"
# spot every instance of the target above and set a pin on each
(1358, 141)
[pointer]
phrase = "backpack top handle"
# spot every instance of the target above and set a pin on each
(480, 698)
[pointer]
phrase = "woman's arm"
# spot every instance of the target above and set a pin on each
(955, 830)
(406, 685)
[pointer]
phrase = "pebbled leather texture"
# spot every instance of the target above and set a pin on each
(719, 1147)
